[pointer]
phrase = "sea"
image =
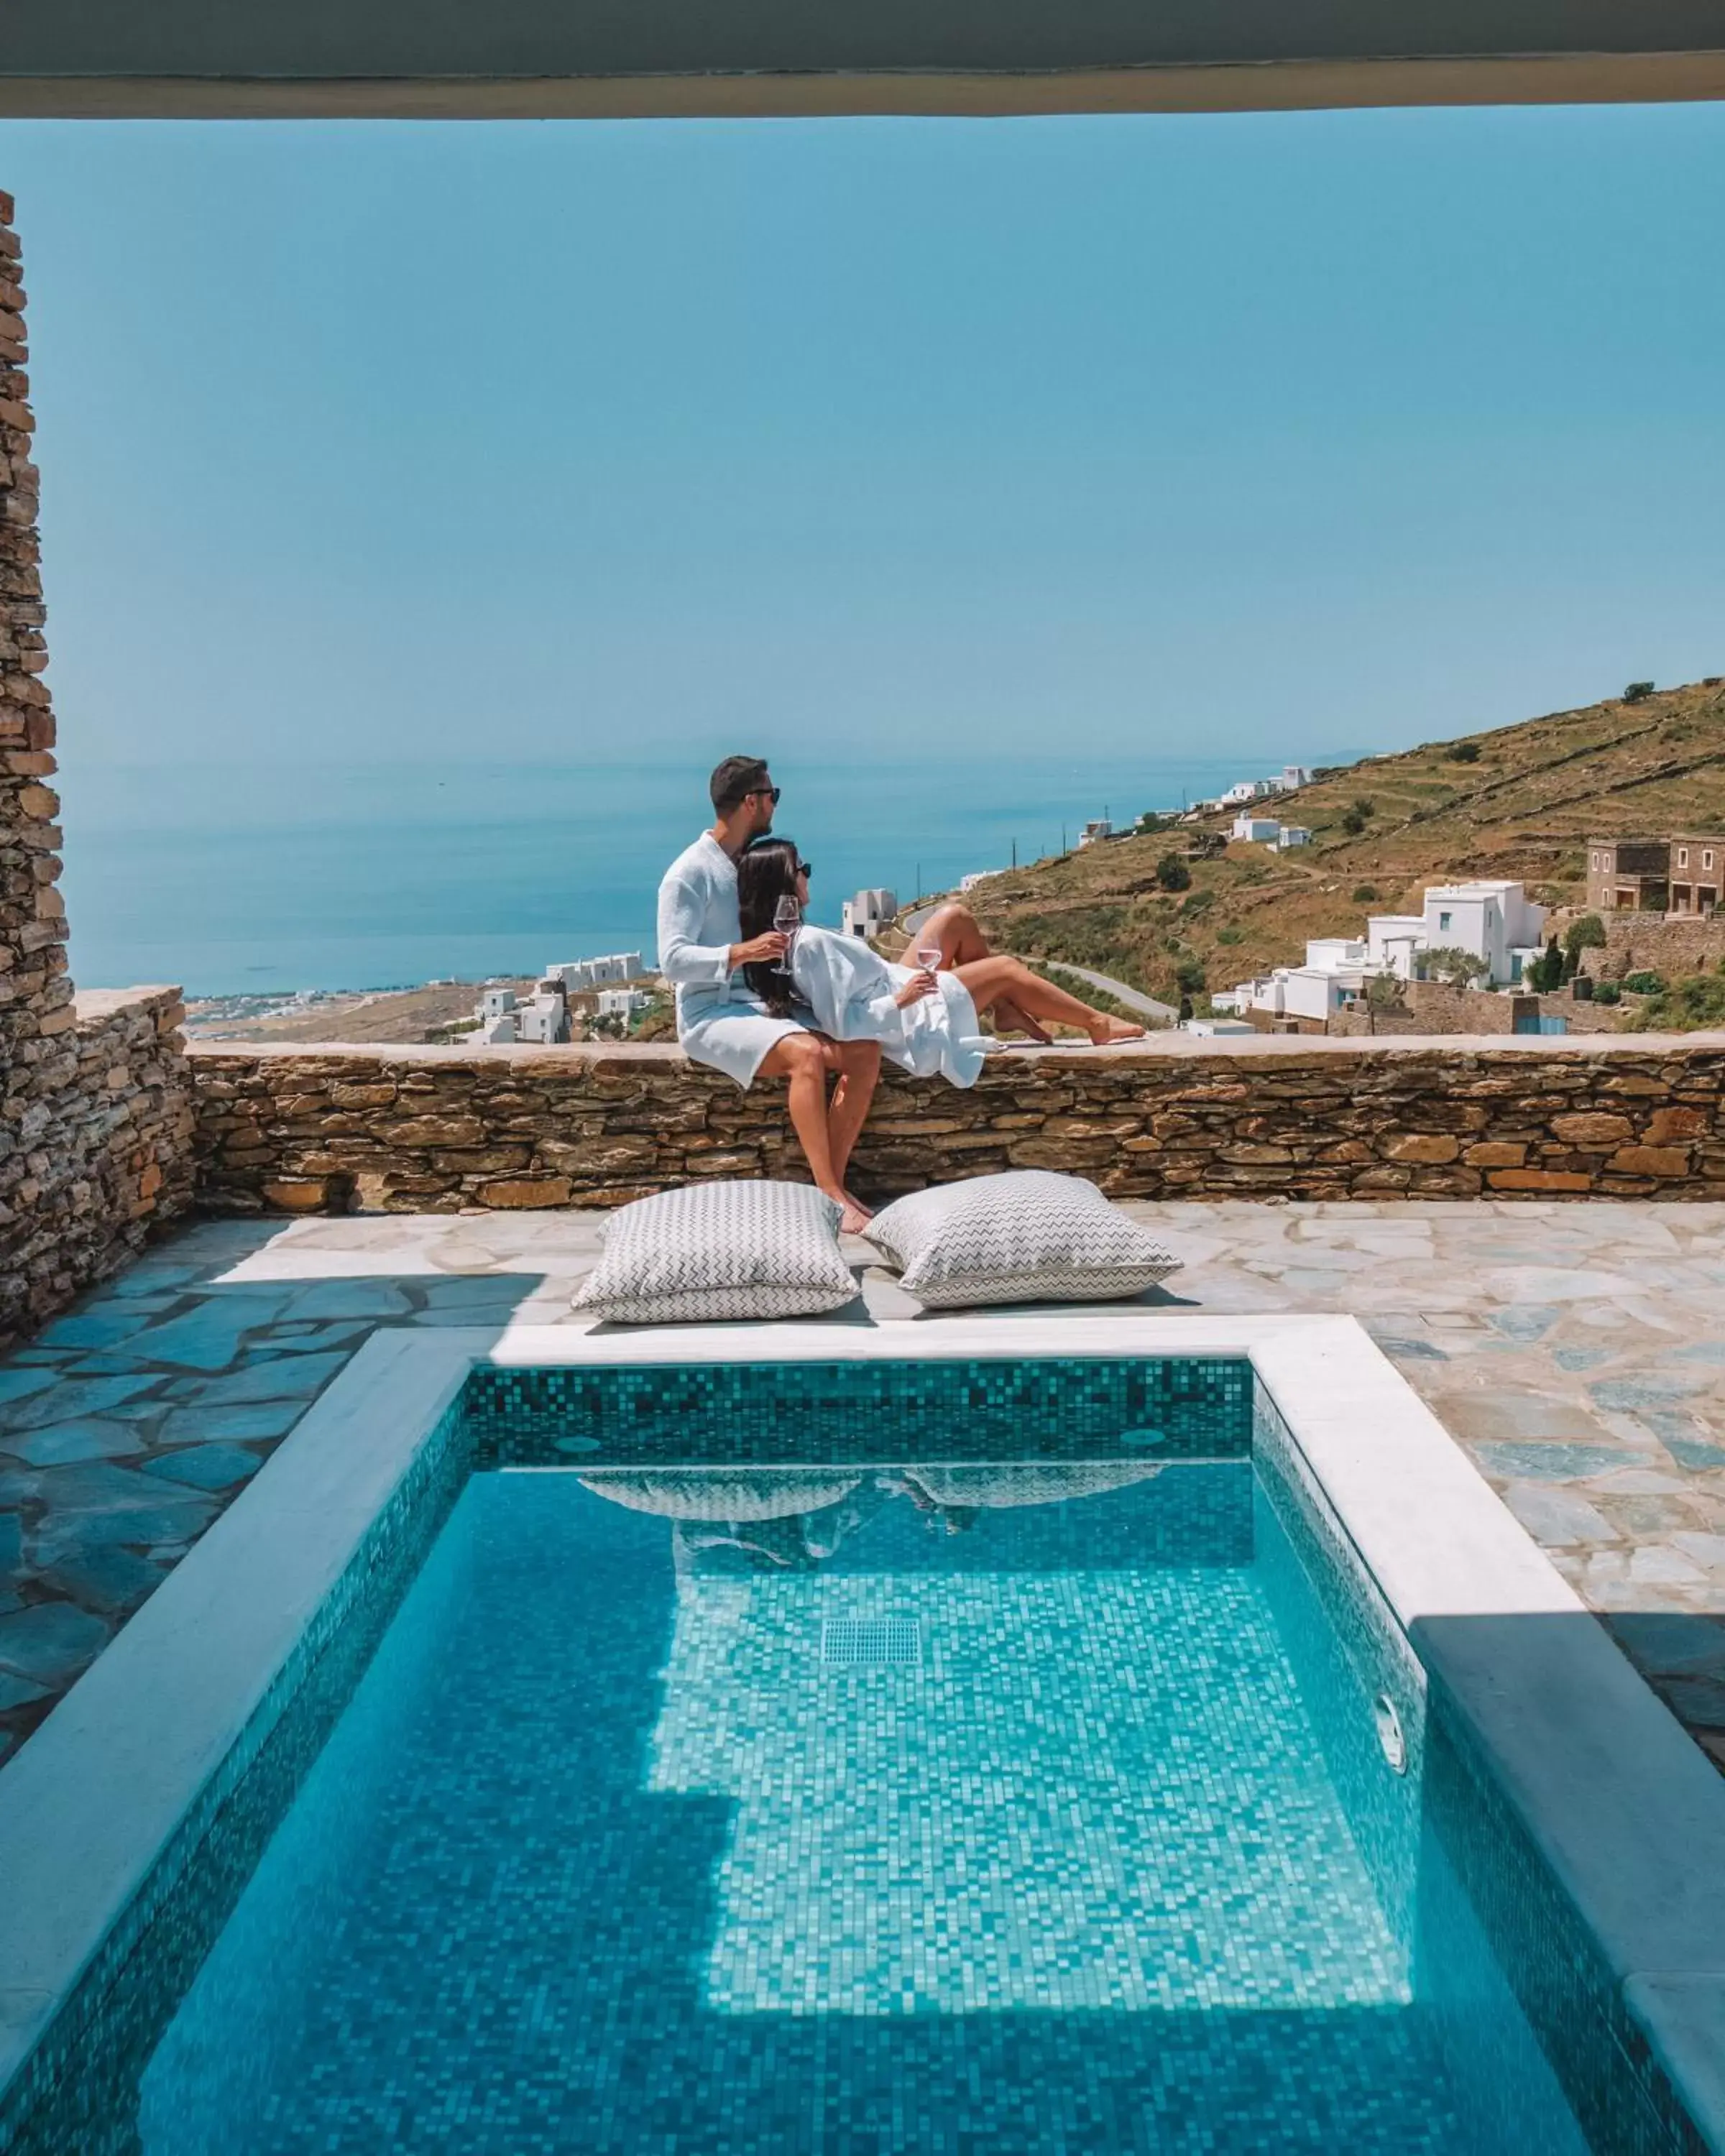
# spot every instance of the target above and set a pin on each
(266, 879)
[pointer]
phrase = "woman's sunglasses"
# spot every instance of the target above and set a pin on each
(805, 868)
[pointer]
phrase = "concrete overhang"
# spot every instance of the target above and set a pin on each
(450, 59)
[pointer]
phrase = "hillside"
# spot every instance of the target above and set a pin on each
(1518, 801)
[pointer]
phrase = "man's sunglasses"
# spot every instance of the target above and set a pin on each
(772, 794)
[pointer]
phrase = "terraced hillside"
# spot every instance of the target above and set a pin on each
(1520, 801)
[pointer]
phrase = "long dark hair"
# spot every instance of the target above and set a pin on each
(766, 872)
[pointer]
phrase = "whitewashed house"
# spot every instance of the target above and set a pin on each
(1295, 776)
(1494, 920)
(1336, 971)
(1260, 830)
(577, 975)
(1094, 832)
(504, 1020)
(976, 876)
(868, 912)
(1290, 835)
(623, 1003)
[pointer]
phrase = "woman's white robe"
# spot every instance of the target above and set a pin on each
(849, 991)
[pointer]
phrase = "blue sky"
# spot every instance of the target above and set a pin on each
(1272, 435)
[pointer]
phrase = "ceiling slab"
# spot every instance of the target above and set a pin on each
(523, 59)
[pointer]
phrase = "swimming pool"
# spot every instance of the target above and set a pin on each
(856, 1755)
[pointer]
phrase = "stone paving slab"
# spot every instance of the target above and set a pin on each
(1575, 1352)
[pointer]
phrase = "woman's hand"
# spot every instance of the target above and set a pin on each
(772, 945)
(919, 985)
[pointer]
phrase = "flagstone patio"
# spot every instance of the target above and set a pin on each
(1577, 1352)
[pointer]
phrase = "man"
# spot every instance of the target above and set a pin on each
(720, 1019)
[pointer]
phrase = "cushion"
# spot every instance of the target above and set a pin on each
(1029, 1236)
(720, 1249)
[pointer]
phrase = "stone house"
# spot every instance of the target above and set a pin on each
(1628, 875)
(1697, 870)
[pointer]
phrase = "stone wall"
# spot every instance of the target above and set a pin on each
(94, 1103)
(437, 1130)
(1648, 942)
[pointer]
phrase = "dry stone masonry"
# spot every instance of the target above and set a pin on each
(438, 1129)
(96, 1113)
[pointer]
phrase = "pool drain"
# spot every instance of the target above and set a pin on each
(861, 1642)
(1389, 1734)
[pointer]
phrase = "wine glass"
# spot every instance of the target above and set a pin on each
(787, 918)
(928, 957)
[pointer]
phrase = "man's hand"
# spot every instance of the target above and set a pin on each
(914, 990)
(772, 945)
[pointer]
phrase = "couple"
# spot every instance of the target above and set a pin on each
(833, 1006)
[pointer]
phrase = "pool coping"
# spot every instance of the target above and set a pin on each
(1622, 1804)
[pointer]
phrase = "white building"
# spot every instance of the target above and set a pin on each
(1335, 970)
(1393, 942)
(1250, 789)
(623, 1003)
(868, 912)
(1094, 832)
(503, 1020)
(977, 876)
(577, 974)
(1295, 776)
(1210, 1026)
(1495, 921)
(1268, 831)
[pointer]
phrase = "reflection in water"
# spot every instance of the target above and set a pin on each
(793, 1519)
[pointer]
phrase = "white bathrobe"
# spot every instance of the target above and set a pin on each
(850, 990)
(720, 1020)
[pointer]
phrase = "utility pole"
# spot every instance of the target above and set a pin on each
(919, 879)
(1063, 838)
(1015, 853)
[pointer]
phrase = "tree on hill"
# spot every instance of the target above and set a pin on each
(1546, 973)
(1454, 966)
(1587, 934)
(1638, 692)
(1173, 873)
(1463, 752)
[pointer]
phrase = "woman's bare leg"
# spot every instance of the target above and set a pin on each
(954, 927)
(859, 1071)
(990, 979)
(805, 1059)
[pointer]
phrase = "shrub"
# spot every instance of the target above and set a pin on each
(1200, 902)
(1364, 893)
(1173, 873)
(1699, 999)
(1607, 992)
(1189, 976)
(1353, 823)
(1463, 752)
(1364, 805)
(1645, 984)
(1230, 936)
(1638, 692)
(1185, 1010)
(1546, 971)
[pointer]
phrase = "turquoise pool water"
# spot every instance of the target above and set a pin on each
(898, 1801)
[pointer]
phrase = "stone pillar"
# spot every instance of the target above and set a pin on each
(96, 1111)
(35, 994)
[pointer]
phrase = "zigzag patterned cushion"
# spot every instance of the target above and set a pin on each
(1028, 1237)
(720, 1250)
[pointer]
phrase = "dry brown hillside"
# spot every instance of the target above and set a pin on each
(1520, 801)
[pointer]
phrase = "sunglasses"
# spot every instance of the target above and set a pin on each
(772, 793)
(805, 868)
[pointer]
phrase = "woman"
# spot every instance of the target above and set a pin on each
(926, 1021)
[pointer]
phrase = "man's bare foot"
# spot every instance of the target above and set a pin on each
(1106, 1031)
(1009, 1019)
